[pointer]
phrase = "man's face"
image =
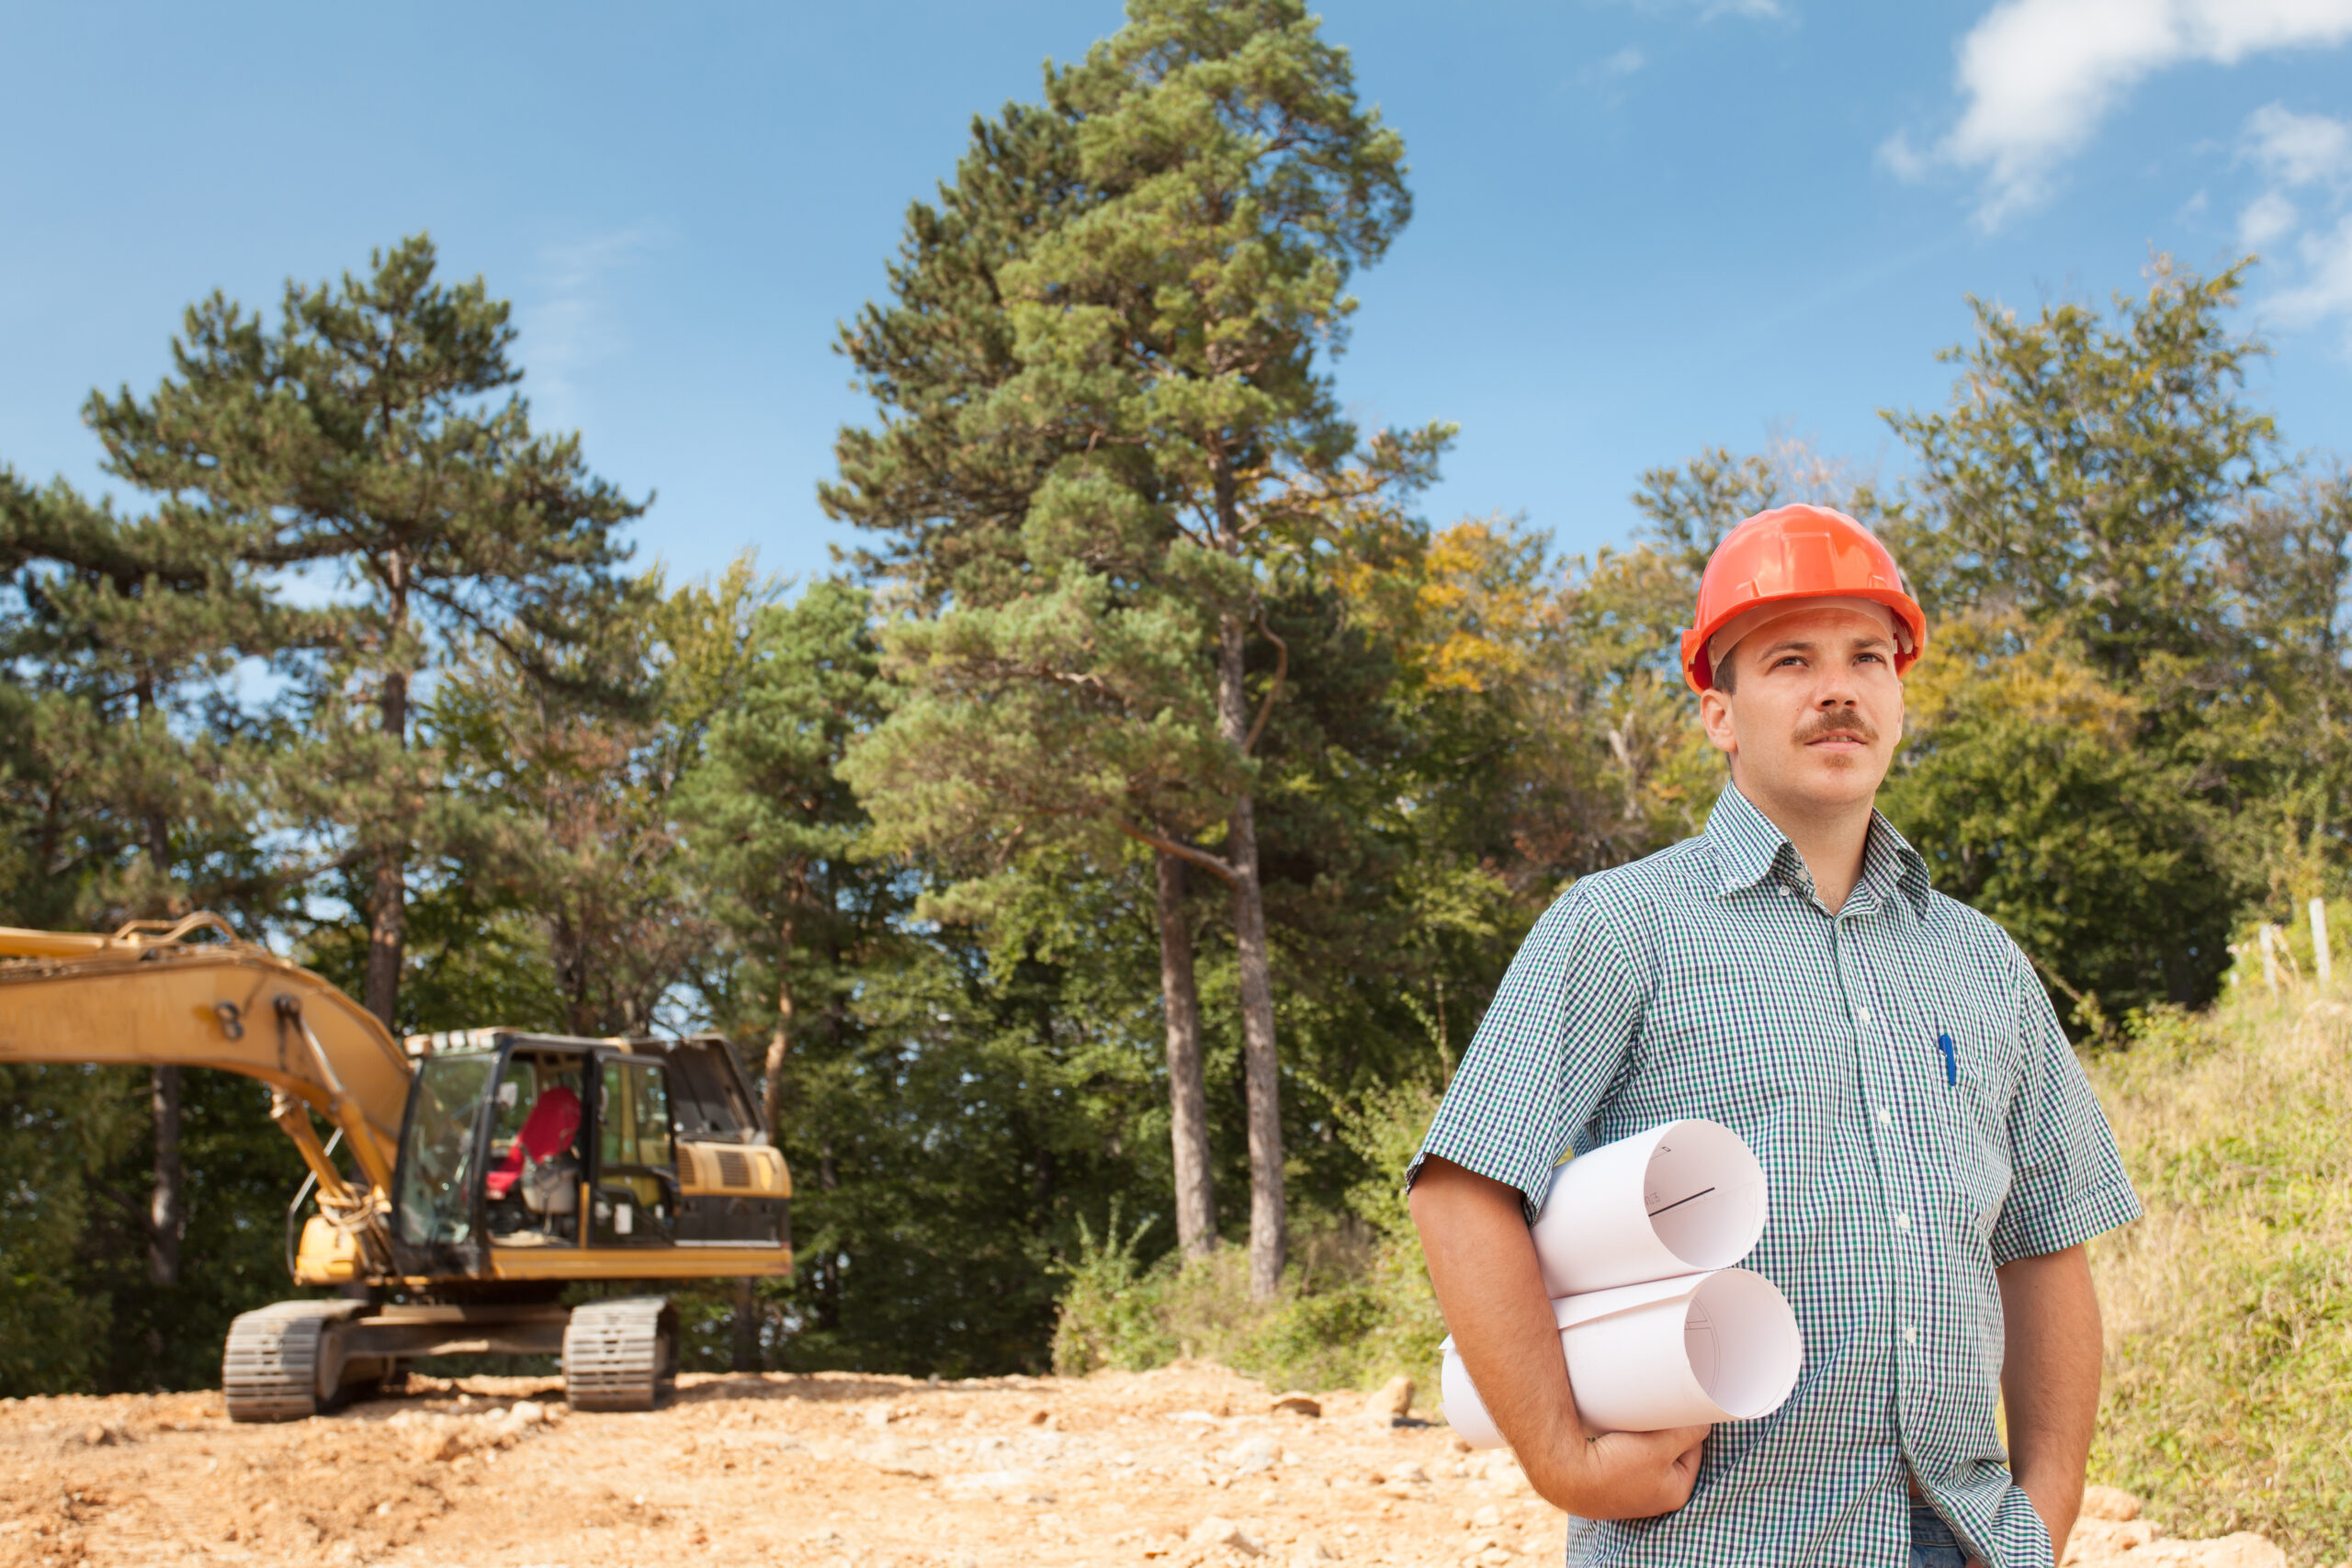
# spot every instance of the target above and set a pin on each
(1816, 710)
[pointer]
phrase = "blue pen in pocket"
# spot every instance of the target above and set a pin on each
(1952, 1060)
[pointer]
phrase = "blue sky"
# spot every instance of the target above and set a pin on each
(1643, 226)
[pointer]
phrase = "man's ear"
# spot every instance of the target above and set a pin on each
(1714, 716)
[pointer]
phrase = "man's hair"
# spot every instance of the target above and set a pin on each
(1724, 677)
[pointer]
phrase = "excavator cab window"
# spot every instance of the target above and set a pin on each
(635, 1200)
(436, 1182)
(531, 1182)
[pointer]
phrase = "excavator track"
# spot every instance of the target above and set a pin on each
(271, 1369)
(620, 1354)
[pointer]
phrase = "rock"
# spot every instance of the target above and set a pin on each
(1409, 1473)
(877, 1415)
(1217, 1530)
(435, 1439)
(2097, 1540)
(1298, 1404)
(1395, 1399)
(2243, 1550)
(527, 1412)
(1041, 1417)
(1251, 1456)
(2109, 1503)
(1308, 1553)
(1486, 1519)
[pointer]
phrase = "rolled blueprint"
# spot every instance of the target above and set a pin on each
(1683, 1198)
(1686, 1351)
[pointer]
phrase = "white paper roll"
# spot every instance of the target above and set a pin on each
(1686, 1351)
(1683, 1198)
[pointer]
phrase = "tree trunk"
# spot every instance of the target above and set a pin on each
(1188, 1112)
(779, 1041)
(747, 1308)
(747, 1328)
(387, 899)
(1261, 1064)
(166, 1217)
(167, 1204)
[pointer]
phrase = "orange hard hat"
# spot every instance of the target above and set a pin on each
(1798, 552)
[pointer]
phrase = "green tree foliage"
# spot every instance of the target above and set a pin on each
(2089, 470)
(356, 439)
(2134, 610)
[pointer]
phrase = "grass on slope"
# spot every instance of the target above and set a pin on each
(2228, 1306)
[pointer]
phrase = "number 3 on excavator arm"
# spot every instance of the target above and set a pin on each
(489, 1171)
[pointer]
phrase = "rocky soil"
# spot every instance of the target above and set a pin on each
(1188, 1467)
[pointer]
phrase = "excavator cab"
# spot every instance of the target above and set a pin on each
(532, 1156)
(538, 1143)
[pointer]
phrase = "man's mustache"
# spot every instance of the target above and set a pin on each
(1819, 726)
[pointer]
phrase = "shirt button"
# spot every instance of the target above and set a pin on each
(1883, 1119)
(1783, 890)
(1862, 1013)
(1910, 1335)
(1903, 1221)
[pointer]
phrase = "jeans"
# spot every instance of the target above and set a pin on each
(1932, 1542)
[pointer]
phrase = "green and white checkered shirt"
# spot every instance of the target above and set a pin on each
(1921, 1120)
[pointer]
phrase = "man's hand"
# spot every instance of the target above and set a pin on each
(1482, 1262)
(1627, 1475)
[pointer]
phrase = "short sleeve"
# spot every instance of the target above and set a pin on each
(2067, 1180)
(1554, 1037)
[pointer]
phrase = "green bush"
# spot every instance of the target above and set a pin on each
(1355, 1306)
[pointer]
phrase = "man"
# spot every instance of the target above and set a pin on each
(1936, 1160)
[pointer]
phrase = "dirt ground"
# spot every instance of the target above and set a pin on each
(1188, 1467)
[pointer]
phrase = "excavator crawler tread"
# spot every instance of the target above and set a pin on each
(269, 1367)
(619, 1354)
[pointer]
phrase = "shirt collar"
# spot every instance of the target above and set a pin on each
(1749, 850)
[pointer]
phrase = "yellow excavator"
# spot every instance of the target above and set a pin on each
(481, 1171)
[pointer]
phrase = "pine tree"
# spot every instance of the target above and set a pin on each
(1166, 334)
(361, 438)
(950, 490)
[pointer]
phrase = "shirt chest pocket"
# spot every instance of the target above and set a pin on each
(1970, 1096)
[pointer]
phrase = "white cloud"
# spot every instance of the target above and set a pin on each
(2299, 149)
(2038, 76)
(1624, 62)
(1907, 161)
(2310, 155)
(2326, 288)
(2267, 217)
(569, 322)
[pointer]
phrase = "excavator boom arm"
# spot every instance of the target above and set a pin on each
(148, 996)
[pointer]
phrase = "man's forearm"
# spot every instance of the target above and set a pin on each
(1482, 1263)
(2049, 1379)
(1490, 1287)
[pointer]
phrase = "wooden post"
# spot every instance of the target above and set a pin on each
(2319, 939)
(2270, 959)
